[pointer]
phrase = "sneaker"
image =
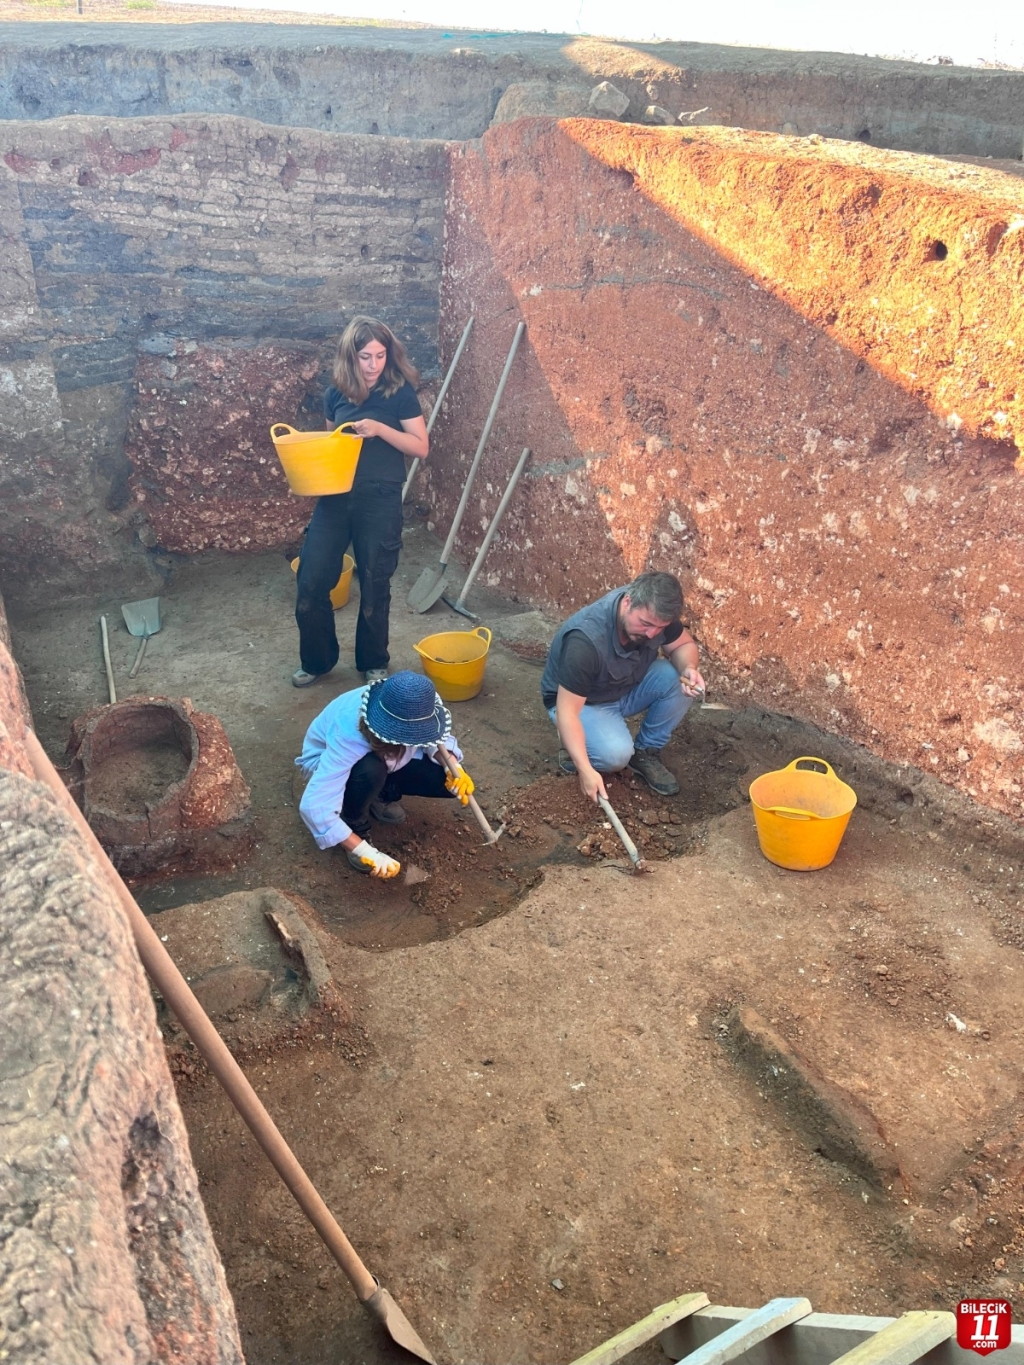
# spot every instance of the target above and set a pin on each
(373, 675)
(565, 764)
(387, 812)
(649, 766)
(300, 678)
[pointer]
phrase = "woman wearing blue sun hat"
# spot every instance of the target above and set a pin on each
(366, 750)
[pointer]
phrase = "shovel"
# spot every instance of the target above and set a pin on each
(460, 604)
(142, 619)
(196, 1023)
(430, 585)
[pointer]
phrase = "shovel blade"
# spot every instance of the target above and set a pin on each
(427, 589)
(382, 1307)
(142, 618)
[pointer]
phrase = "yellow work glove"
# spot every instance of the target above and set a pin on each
(376, 863)
(460, 784)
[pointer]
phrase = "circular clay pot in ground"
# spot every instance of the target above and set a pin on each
(159, 785)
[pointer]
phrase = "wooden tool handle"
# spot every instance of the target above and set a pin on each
(437, 403)
(449, 544)
(138, 658)
(105, 639)
(474, 805)
(172, 986)
(620, 830)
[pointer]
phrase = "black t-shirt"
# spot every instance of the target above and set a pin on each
(580, 664)
(378, 461)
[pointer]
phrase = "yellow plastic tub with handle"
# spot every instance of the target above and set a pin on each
(341, 589)
(801, 813)
(454, 661)
(317, 463)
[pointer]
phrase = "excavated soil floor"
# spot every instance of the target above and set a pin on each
(532, 1127)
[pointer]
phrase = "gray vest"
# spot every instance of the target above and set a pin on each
(621, 667)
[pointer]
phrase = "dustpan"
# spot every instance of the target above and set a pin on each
(142, 619)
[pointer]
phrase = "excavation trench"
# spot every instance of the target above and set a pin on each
(542, 1086)
(530, 1078)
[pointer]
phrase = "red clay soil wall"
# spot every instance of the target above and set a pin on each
(786, 370)
(105, 1250)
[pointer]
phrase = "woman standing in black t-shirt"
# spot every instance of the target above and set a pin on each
(373, 389)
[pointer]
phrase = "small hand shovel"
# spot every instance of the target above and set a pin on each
(142, 619)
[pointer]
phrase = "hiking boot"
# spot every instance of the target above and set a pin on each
(565, 764)
(357, 863)
(387, 812)
(647, 764)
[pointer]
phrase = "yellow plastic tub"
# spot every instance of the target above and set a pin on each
(801, 813)
(341, 589)
(317, 462)
(455, 660)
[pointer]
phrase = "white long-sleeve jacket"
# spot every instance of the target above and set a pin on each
(331, 749)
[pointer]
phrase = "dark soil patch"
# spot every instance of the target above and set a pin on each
(132, 779)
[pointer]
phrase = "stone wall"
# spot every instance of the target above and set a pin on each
(786, 370)
(105, 1250)
(434, 84)
(174, 286)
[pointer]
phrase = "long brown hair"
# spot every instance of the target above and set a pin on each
(397, 368)
(380, 746)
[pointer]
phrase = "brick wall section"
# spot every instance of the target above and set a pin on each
(148, 258)
(746, 365)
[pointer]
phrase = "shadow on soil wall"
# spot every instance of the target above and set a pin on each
(751, 364)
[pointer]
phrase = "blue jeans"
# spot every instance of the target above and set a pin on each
(658, 695)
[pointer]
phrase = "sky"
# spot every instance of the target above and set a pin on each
(968, 31)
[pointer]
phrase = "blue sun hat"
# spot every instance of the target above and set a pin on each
(405, 709)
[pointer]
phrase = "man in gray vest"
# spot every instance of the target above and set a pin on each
(626, 654)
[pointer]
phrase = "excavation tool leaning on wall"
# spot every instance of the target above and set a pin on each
(603, 666)
(372, 390)
(364, 752)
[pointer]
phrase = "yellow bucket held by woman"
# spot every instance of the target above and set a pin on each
(317, 463)
(801, 813)
(454, 661)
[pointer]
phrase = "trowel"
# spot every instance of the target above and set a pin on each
(143, 620)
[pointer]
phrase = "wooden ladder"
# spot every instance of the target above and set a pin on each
(786, 1332)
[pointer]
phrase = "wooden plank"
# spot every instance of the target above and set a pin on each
(751, 1331)
(903, 1341)
(643, 1331)
(815, 1340)
(818, 1339)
